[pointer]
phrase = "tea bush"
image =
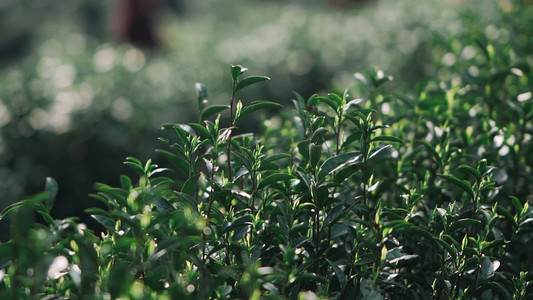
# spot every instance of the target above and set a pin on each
(76, 104)
(382, 191)
(422, 195)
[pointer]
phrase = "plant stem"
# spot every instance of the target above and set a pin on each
(211, 200)
(232, 123)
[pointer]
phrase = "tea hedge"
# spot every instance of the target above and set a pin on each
(75, 104)
(422, 195)
(377, 192)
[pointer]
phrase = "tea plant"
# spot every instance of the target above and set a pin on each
(345, 199)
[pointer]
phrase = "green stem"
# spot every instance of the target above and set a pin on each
(211, 200)
(232, 123)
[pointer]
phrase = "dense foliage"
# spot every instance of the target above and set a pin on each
(377, 192)
(75, 104)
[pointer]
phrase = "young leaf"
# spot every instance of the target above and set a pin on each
(236, 71)
(211, 110)
(249, 81)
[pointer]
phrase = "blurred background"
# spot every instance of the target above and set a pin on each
(86, 83)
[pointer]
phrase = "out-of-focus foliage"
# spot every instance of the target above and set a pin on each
(76, 103)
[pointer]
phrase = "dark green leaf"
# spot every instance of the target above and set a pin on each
(211, 110)
(488, 267)
(249, 81)
(337, 162)
(463, 223)
(189, 187)
(313, 101)
(204, 131)
(465, 186)
(315, 152)
(182, 164)
(163, 206)
(318, 135)
(275, 157)
(258, 105)
(449, 249)
(338, 272)
(274, 178)
(471, 171)
(333, 215)
(125, 183)
(387, 138)
(236, 71)
(52, 188)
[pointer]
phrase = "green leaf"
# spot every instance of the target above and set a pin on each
(274, 178)
(318, 135)
(337, 162)
(182, 164)
(188, 200)
(465, 186)
(189, 187)
(333, 215)
(211, 110)
(517, 205)
(303, 149)
(355, 136)
(52, 188)
(135, 164)
(198, 127)
(387, 138)
(338, 100)
(351, 104)
(125, 183)
(249, 81)
(378, 151)
(447, 247)
(163, 206)
(236, 71)
(313, 101)
(471, 171)
(339, 273)
(275, 157)
(488, 267)
(463, 223)
(258, 105)
(315, 152)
